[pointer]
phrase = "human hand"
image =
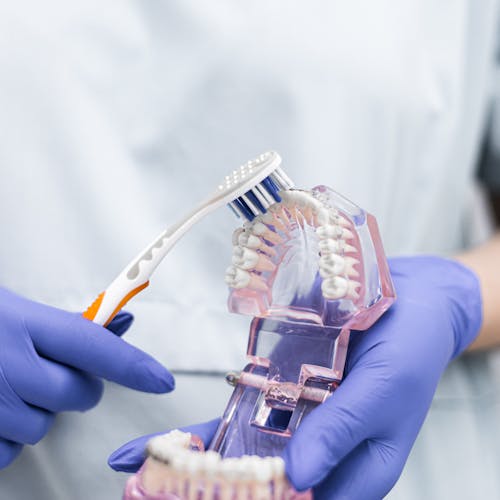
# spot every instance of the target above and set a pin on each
(52, 361)
(354, 446)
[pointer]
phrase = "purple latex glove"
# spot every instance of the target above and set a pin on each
(130, 456)
(355, 445)
(52, 360)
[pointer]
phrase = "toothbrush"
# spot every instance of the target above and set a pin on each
(248, 192)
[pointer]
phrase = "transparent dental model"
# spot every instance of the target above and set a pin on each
(309, 270)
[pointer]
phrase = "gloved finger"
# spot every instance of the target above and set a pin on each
(368, 473)
(130, 456)
(335, 428)
(8, 452)
(23, 423)
(73, 340)
(121, 323)
(51, 386)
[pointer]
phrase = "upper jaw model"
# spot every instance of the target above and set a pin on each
(309, 269)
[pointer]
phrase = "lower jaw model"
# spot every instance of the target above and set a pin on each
(309, 270)
(177, 467)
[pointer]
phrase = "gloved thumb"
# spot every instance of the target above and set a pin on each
(331, 432)
(121, 323)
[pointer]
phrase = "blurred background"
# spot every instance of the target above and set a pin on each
(116, 117)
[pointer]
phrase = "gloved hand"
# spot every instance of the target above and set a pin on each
(52, 360)
(355, 445)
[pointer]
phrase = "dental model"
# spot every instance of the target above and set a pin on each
(177, 467)
(315, 257)
(309, 268)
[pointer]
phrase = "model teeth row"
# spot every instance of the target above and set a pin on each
(336, 266)
(252, 252)
(196, 468)
(253, 245)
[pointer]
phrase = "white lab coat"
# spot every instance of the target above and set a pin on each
(116, 117)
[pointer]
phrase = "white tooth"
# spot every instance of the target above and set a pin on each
(161, 449)
(332, 264)
(183, 438)
(237, 278)
(301, 199)
(167, 446)
(335, 246)
(277, 466)
(162, 446)
(244, 465)
(212, 468)
(248, 259)
(333, 231)
(322, 216)
(347, 234)
(330, 246)
(339, 220)
(229, 475)
(297, 198)
(212, 461)
(249, 240)
(259, 229)
(180, 459)
(245, 258)
(268, 218)
(334, 288)
(329, 231)
(229, 468)
(337, 288)
(194, 468)
(195, 462)
(350, 262)
(263, 470)
(279, 481)
(236, 235)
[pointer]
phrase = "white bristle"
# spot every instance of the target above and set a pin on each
(278, 181)
(259, 196)
(250, 205)
(235, 209)
(265, 194)
(251, 176)
(288, 182)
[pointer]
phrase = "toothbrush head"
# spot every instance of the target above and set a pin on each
(255, 186)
